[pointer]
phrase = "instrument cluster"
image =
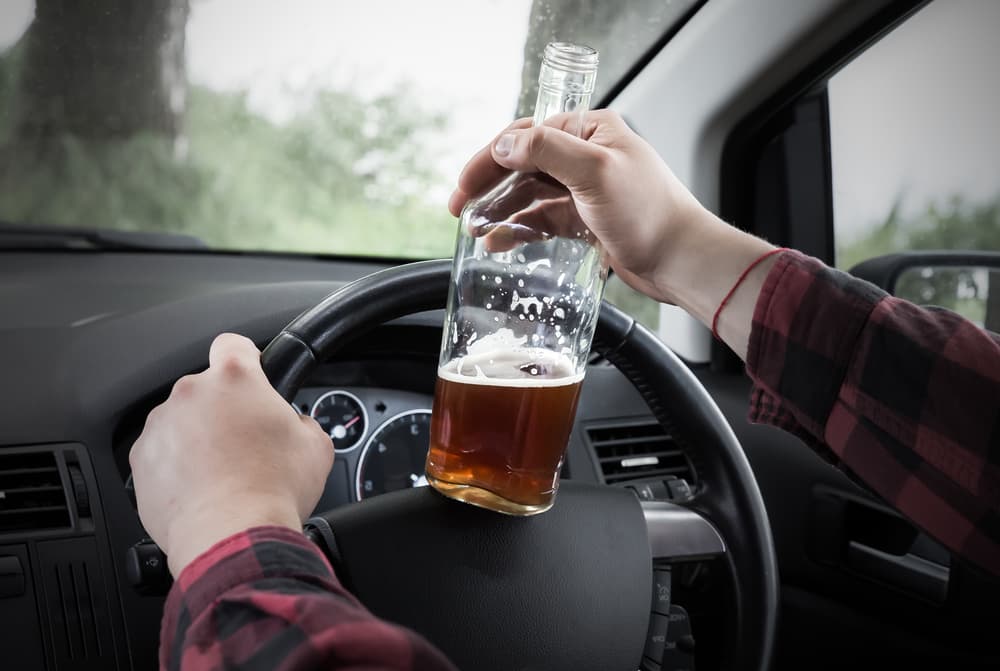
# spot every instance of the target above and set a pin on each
(380, 437)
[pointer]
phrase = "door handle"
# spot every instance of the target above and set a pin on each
(907, 571)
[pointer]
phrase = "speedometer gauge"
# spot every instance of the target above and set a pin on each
(394, 456)
(343, 417)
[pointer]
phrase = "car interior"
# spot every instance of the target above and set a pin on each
(861, 133)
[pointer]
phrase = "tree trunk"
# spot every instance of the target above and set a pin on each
(622, 30)
(101, 69)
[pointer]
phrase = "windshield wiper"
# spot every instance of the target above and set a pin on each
(20, 236)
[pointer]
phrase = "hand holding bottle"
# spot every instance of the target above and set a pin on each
(618, 187)
(660, 239)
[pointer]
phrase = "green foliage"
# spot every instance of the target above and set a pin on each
(343, 176)
(956, 225)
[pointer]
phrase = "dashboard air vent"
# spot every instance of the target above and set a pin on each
(31, 493)
(638, 451)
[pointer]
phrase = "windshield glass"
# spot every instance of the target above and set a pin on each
(297, 126)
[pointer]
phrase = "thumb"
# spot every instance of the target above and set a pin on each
(574, 162)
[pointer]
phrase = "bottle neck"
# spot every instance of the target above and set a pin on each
(563, 91)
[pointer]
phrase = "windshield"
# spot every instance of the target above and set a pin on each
(295, 126)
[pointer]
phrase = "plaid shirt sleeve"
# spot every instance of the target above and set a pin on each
(906, 398)
(266, 598)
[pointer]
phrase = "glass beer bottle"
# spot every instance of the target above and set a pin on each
(526, 288)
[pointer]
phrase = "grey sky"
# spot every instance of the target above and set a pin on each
(462, 57)
(918, 116)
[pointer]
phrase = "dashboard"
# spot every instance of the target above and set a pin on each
(380, 437)
(92, 341)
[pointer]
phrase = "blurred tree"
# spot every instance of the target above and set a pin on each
(94, 105)
(102, 69)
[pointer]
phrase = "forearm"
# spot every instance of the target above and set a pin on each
(704, 262)
(907, 398)
(266, 598)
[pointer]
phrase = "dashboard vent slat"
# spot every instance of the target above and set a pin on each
(644, 451)
(32, 496)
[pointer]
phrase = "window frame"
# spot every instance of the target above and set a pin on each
(775, 177)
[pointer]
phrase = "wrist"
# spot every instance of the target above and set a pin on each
(703, 261)
(192, 534)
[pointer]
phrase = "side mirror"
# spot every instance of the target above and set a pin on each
(965, 282)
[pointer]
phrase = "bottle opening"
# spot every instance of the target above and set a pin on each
(572, 56)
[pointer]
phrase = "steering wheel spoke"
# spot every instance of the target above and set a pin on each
(677, 533)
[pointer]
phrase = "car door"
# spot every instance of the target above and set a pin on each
(887, 144)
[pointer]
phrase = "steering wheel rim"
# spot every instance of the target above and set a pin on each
(727, 498)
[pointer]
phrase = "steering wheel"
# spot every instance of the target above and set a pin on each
(566, 590)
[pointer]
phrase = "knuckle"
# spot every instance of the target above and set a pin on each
(152, 419)
(537, 139)
(319, 436)
(227, 339)
(609, 116)
(184, 387)
(233, 366)
(603, 165)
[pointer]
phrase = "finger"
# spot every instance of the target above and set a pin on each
(557, 217)
(574, 162)
(234, 354)
(481, 173)
(525, 191)
(503, 237)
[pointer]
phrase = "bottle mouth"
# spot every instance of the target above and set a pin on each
(576, 57)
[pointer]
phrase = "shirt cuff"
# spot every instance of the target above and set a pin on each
(806, 324)
(259, 552)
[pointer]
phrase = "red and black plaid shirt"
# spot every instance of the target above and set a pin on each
(906, 398)
(266, 598)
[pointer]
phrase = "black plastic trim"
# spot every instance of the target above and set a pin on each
(647, 56)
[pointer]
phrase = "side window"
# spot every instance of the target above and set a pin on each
(915, 137)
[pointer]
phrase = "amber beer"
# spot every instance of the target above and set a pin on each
(500, 426)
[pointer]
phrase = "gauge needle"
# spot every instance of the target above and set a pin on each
(340, 430)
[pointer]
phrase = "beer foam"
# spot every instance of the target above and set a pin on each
(527, 367)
